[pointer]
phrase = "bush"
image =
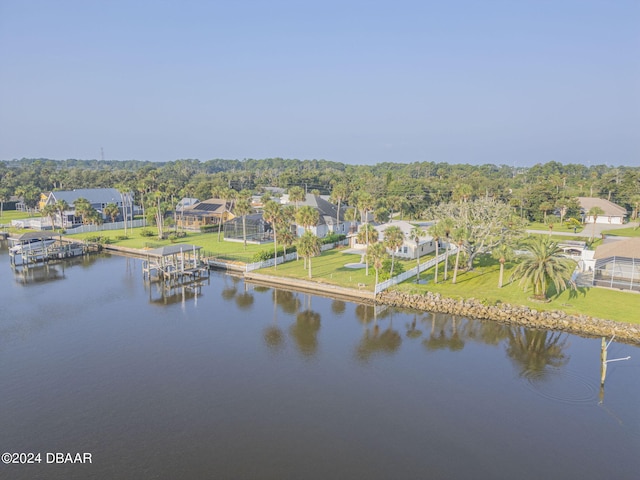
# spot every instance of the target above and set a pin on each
(122, 237)
(333, 238)
(385, 271)
(99, 239)
(264, 255)
(208, 228)
(145, 232)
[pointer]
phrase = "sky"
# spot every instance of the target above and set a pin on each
(508, 82)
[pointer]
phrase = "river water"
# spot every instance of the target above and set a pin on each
(230, 380)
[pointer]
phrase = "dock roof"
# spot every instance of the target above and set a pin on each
(32, 235)
(173, 249)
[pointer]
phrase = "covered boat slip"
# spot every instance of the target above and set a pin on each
(38, 247)
(174, 263)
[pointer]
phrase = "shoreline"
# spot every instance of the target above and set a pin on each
(521, 315)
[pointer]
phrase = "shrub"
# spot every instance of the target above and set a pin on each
(208, 228)
(332, 238)
(264, 255)
(145, 232)
(122, 237)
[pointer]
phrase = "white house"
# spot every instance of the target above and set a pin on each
(613, 214)
(408, 250)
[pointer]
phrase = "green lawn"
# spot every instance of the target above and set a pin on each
(233, 251)
(624, 232)
(482, 284)
(557, 227)
(330, 268)
(7, 216)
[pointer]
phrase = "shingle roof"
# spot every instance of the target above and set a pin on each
(327, 210)
(629, 248)
(610, 209)
(94, 195)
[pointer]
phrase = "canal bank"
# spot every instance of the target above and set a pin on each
(434, 302)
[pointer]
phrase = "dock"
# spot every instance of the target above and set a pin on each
(40, 247)
(174, 264)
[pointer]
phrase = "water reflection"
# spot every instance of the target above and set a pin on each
(51, 271)
(338, 307)
(163, 294)
(444, 333)
(244, 300)
(373, 342)
(305, 330)
(532, 351)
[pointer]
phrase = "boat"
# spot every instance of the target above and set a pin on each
(31, 245)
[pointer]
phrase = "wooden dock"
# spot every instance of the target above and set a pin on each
(174, 264)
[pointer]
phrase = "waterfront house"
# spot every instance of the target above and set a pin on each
(99, 198)
(613, 213)
(327, 216)
(409, 250)
(208, 212)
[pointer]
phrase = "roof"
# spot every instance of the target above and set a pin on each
(406, 228)
(173, 249)
(31, 235)
(327, 210)
(629, 248)
(209, 206)
(94, 195)
(610, 209)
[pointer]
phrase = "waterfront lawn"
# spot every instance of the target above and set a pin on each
(482, 284)
(9, 215)
(232, 251)
(330, 268)
(624, 232)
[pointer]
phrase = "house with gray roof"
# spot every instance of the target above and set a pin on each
(328, 212)
(99, 198)
(613, 214)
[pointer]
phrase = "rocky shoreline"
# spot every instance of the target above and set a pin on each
(514, 315)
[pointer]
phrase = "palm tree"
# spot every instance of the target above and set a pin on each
(459, 236)
(503, 253)
(111, 210)
(594, 212)
(242, 209)
(272, 213)
(308, 217)
(50, 211)
(82, 207)
(393, 240)
(377, 253)
(367, 235)
(296, 194)
(542, 265)
(62, 206)
(436, 232)
(415, 235)
(309, 246)
(338, 194)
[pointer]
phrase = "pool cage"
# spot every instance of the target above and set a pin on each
(258, 230)
(617, 272)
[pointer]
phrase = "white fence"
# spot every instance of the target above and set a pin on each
(106, 226)
(269, 263)
(413, 272)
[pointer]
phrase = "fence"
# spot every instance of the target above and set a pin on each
(413, 272)
(269, 263)
(105, 226)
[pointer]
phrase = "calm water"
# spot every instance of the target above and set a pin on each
(239, 381)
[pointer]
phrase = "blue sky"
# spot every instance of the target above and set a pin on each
(513, 82)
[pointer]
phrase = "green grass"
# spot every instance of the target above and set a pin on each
(482, 284)
(557, 227)
(330, 268)
(624, 232)
(232, 251)
(7, 216)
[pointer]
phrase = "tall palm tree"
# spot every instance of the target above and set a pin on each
(309, 246)
(62, 206)
(307, 216)
(415, 235)
(339, 192)
(393, 240)
(111, 210)
(242, 209)
(82, 207)
(367, 235)
(50, 211)
(296, 195)
(376, 254)
(543, 264)
(503, 253)
(459, 236)
(594, 213)
(447, 225)
(272, 213)
(436, 233)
